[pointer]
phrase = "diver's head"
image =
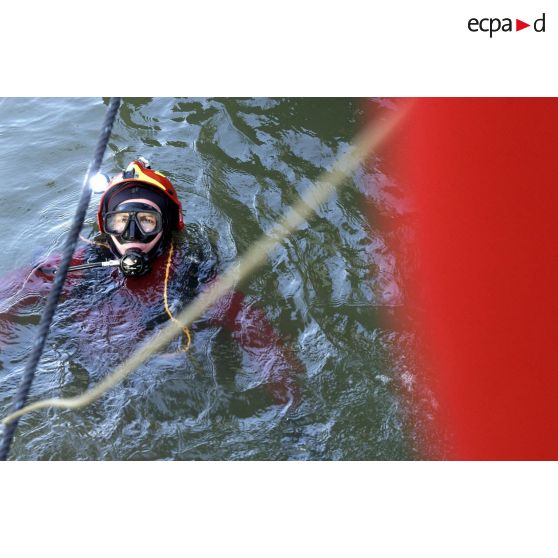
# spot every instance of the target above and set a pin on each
(139, 210)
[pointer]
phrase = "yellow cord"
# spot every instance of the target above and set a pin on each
(167, 309)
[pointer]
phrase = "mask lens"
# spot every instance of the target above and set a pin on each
(149, 221)
(116, 222)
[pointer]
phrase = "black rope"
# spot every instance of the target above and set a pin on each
(52, 301)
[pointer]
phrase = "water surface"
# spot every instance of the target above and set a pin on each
(237, 165)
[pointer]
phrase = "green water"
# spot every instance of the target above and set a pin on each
(237, 165)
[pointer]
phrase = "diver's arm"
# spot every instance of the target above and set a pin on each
(18, 289)
(23, 287)
(255, 334)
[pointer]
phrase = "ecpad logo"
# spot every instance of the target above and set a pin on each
(493, 25)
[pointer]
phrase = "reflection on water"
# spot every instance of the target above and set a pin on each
(237, 164)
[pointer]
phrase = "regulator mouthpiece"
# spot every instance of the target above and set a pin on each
(134, 263)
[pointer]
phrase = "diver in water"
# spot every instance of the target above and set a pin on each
(139, 214)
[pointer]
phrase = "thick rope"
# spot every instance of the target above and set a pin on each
(237, 272)
(165, 300)
(54, 294)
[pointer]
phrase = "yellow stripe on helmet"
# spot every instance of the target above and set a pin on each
(140, 175)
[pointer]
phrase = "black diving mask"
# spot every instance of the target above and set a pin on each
(134, 222)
